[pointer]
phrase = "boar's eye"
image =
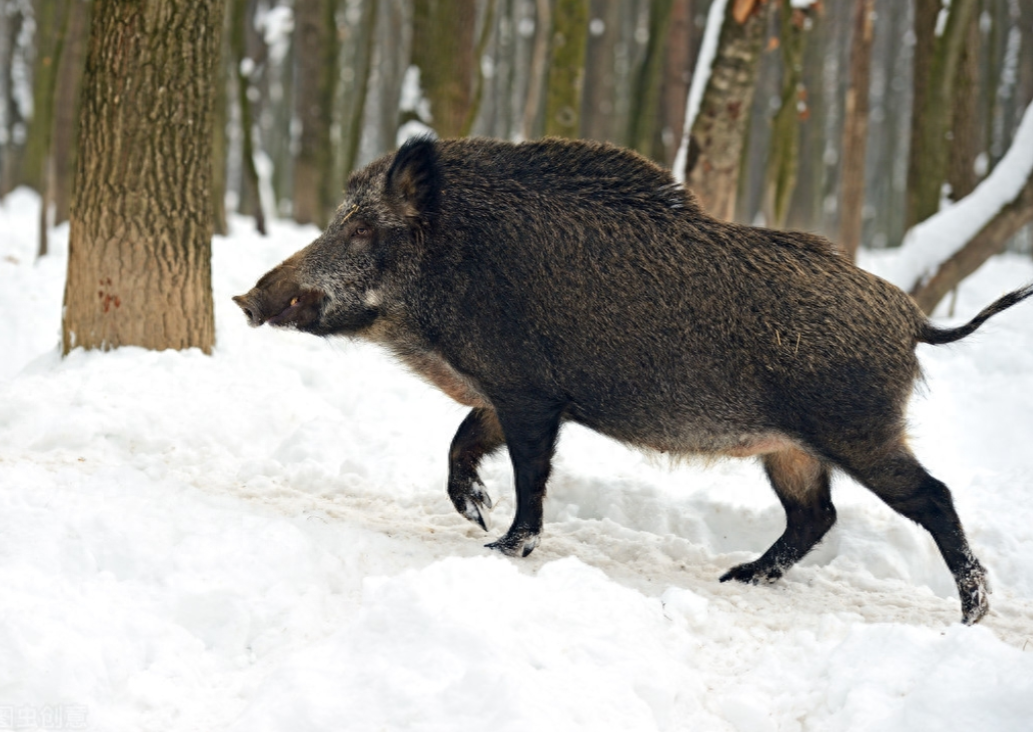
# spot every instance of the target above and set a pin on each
(362, 231)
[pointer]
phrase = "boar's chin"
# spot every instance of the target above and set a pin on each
(350, 322)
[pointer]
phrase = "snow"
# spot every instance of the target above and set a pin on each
(261, 540)
(700, 78)
(934, 240)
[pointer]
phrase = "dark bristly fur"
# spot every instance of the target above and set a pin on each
(558, 281)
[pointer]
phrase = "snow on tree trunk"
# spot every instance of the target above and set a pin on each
(944, 235)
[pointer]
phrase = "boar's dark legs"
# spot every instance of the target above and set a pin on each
(802, 484)
(901, 481)
(479, 435)
(531, 430)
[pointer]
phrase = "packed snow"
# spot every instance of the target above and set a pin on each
(261, 540)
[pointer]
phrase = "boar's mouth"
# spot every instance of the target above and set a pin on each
(300, 310)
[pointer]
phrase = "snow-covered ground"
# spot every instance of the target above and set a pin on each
(261, 540)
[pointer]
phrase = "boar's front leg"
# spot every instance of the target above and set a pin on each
(531, 430)
(479, 435)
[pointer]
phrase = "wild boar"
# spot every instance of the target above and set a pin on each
(556, 280)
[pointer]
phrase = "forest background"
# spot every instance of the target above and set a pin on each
(856, 119)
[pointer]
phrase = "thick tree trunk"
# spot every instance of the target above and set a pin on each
(718, 131)
(566, 69)
(966, 137)
(66, 110)
(855, 129)
(315, 41)
(677, 75)
(537, 72)
(443, 49)
(783, 158)
(935, 79)
(139, 269)
(645, 120)
(250, 198)
(355, 96)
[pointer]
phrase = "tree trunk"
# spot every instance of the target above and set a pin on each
(443, 50)
(645, 121)
(315, 41)
(250, 199)
(677, 75)
(783, 159)
(139, 264)
(989, 241)
(965, 135)
(935, 77)
(220, 142)
(66, 110)
(356, 93)
(537, 72)
(855, 130)
(718, 132)
(566, 68)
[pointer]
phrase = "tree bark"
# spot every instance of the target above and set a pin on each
(965, 136)
(139, 265)
(443, 49)
(989, 241)
(677, 75)
(538, 70)
(566, 68)
(356, 94)
(645, 120)
(315, 38)
(935, 78)
(66, 110)
(783, 159)
(718, 132)
(250, 198)
(855, 130)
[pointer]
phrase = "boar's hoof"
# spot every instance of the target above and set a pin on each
(754, 573)
(472, 501)
(974, 589)
(515, 543)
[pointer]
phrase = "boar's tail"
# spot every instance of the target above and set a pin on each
(938, 336)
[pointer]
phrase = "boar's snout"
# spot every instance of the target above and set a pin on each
(278, 299)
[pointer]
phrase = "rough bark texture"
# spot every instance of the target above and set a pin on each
(356, 94)
(315, 39)
(250, 200)
(443, 49)
(566, 69)
(966, 138)
(537, 72)
(783, 159)
(139, 268)
(855, 129)
(61, 170)
(645, 120)
(989, 241)
(678, 61)
(719, 129)
(935, 79)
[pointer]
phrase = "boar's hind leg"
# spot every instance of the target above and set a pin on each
(479, 435)
(531, 432)
(802, 484)
(901, 481)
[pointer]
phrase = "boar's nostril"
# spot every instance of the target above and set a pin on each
(250, 316)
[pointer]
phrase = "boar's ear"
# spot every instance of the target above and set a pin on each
(413, 181)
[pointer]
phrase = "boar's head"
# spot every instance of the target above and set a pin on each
(341, 283)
